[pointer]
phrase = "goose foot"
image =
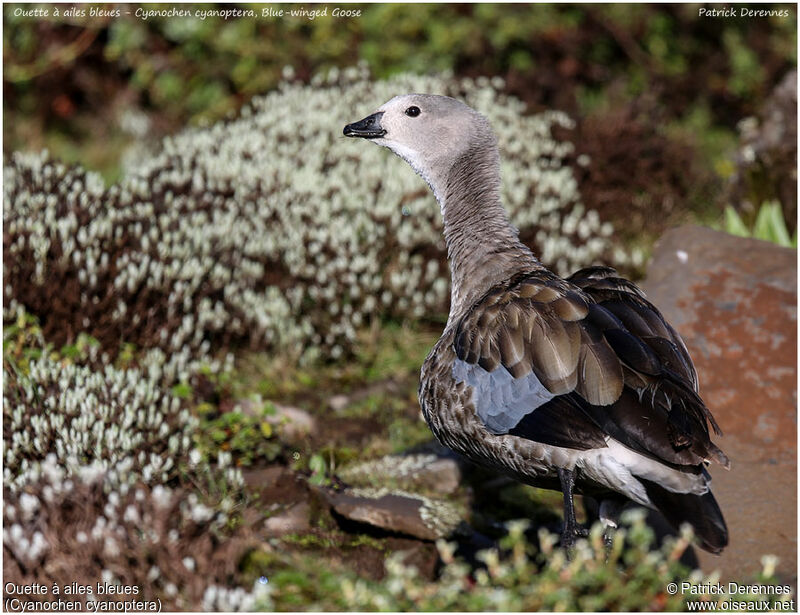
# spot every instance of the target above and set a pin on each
(570, 535)
(608, 541)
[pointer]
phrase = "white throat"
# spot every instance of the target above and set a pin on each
(420, 168)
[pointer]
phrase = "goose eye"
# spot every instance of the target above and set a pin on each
(412, 111)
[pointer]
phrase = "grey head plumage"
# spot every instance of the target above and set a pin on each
(431, 133)
(454, 149)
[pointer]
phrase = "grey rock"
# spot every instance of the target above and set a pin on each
(292, 422)
(338, 402)
(293, 520)
(397, 511)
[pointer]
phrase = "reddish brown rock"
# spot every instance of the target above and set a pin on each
(734, 301)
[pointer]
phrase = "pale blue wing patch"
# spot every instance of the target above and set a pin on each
(500, 399)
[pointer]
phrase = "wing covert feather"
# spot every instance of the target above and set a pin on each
(590, 349)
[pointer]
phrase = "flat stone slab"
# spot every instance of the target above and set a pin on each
(734, 302)
(396, 511)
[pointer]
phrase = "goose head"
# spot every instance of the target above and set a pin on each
(431, 133)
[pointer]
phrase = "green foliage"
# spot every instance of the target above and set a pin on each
(309, 541)
(407, 432)
(127, 355)
(191, 70)
(249, 439)
(319, 470)
(392, 351)
(397, 349)
(182, 390)
(629, 576)
(714, 142)
(81, 348)
(22, 342)
(769, 225)
(746, 70)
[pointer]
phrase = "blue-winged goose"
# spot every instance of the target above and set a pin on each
(578, 384)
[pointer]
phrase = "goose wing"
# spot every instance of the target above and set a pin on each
(569, 362)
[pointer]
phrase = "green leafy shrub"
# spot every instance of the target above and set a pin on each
(248, 438)
(629, 576)
(769, 225)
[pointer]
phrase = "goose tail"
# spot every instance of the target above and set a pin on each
(700, 511)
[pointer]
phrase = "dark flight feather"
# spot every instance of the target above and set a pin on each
(700, 511)
(559, 422)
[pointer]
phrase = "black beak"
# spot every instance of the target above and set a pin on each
(368, 128)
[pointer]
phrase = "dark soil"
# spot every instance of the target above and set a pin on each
(346, 431)
(636, 177)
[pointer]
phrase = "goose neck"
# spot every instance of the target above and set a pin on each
(483, 247)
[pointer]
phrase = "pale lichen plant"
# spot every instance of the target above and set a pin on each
(270, 228)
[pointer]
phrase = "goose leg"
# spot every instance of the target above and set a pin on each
(609, 512)
(571, 529)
